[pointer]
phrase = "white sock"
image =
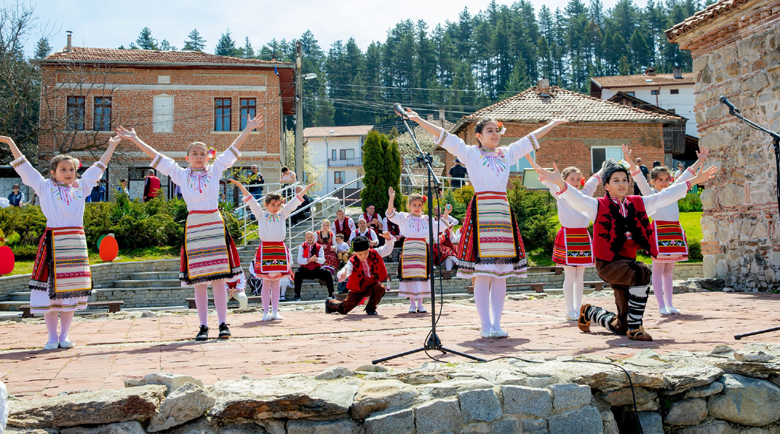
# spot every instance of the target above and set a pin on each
(569, 276)
(579, 283)
(497, 296)
(482, 300)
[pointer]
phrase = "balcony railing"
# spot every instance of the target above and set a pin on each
(357, 161)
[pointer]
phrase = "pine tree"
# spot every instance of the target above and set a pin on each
(194, 42)
(640, 52)
(42, 48)
(145, 40)
(518, 80)
(247, 52)
(226, 46)
(166, 46)
(382, 168)
(624, 68)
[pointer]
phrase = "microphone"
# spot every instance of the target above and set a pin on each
(725, 101)
(400, 110)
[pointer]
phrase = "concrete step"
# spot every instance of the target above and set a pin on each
(12, 305)
(156, 275)
(20, 296)
(161, 283)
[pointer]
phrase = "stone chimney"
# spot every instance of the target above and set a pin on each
(441, 117)
(544, 87)
(650, 71)
(69, 47)
(677, 72)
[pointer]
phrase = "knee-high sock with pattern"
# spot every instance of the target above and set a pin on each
(51, 326)
(600, 316)
(66, 319)
(497, 297)
(482, 300)
(637, 300)
(220, 300)
(202, 303)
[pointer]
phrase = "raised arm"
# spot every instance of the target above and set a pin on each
(133, 137)
(585, 205)
(29, 175)
(676, 192)
(437, 131)
(11, 144)
(390, 202)
(592, 184)
(387, 249)
(251, 124)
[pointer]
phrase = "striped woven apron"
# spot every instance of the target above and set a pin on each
(204, 244)
(272, 258)
(414, 259)
(573, 247)
(494, 226)
(671, 241)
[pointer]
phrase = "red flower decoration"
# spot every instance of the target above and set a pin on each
(212, 152)
(582, 182)
(425, 198)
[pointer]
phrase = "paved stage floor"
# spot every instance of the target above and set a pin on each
(114, 348)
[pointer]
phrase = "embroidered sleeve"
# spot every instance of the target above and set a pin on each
(455, 146)
(585, 205)
(685, 176)
(387, 249)
(167, 166)
(345, 272)
(255, 207)
(91, 176)
(553, 188)
(667, 196)
(591, 185)
(688, 185)
(442, 136)
(29, 175)
(636, 172)
(226, 160)
(518, 149)
(561, 191)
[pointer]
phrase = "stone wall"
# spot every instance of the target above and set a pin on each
(738, 55)
(722, 391)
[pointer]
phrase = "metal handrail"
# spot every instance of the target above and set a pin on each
(245, 207)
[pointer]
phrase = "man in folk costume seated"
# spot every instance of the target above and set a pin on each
(365, 271)
(375, 222)
(343, 225)
(311, 256)
(620, 226)
(364, 231)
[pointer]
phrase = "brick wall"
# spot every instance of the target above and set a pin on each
(738, 55)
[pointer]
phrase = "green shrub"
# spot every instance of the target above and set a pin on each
(691, 202)
(694, 251)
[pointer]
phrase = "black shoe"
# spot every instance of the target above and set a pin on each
(224, 331)
(371, 312)
(203, 334)
(297, 298)
(328, 309)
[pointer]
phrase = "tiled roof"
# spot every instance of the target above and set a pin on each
(355, 130)
(82, 54)
(620, 97)
(704, 16)
(641, 80)
(529, 106)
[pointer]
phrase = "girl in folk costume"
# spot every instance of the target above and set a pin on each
(209, 254)
(327, 240)
(413, 269)
(343, 225)
(573, 249)
(620, 226)
(236, 289)
(273, 259)
(445, 251)
(61, 279)
(491, 247)
(668, 235)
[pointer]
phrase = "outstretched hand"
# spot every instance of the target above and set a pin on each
(628, 157)
(411, 114)
(305, 189)
(546, 175)
(390, 195)
(240, 186)
(126, 134)
(386, 235)
(703, 153)
(7, 140)
(113, 141)
(256, 122)
(704, 175)
(559, 121)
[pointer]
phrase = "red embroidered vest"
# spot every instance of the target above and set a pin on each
(342, 228)
(367, 235)
(314, 251)
(610, 229)
(368, 221)
(393, 228)
(357, 280)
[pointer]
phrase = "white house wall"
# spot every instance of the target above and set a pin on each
(682, 103)
(320, 150)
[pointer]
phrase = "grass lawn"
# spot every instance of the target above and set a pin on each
(690, 221)
(25, 266)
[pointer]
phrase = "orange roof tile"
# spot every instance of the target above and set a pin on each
(641, 80)
(703, 16)
(111, 55)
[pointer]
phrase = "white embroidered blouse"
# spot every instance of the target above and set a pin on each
(271, 227)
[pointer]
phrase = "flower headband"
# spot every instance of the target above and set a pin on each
(212, 152)
(501, 128)
(425, 199)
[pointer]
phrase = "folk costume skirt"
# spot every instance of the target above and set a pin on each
(61, 280)
(671, 242)
(209, 253)
(573, 248)
(273, 257)
(490, 243)
(413, 271)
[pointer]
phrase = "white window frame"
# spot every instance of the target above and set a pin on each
(616, 149)
(522, 164)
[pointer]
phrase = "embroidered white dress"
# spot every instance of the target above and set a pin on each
(415, 227)
(272, 227)
(488, 172)
(63, 207)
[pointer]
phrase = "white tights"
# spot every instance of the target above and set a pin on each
(220, 301)
(66, 319)
(663, 283)
(270, 295)
(449, 261)
(419, 303)
(572, 288)
(489, 294)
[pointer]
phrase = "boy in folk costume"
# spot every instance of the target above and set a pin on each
(61, 279)
(273, 259)
(311, 258)
(365, 271)
(620, 226)
(573, 249)
(364, 231)
(668, 235)
(413, 270)
(491, 247)
(343, 225)
(209, 254)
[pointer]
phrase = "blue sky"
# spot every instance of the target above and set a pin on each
(110, 23)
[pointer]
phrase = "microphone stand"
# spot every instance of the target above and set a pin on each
(776, 143)
(433, 342)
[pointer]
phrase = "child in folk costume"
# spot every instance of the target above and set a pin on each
(375, 222)
(365, 271)
(209, 254)
(491, 247)
(61, 279)
(343, 225)
(573, 249)
(668, 235)
(273, 259)
(445, 251)
(413, 270)
(620, 226)
(236, 290)
(327, 240)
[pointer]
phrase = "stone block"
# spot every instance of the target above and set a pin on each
(527, 401)
(586, 420)
(170, 381)
(506, 425)
(609, 422)
(132, 427)
(400, 422)
(380, 395)
(704, 391)
(744, 400)
(479, 405)
(651, 422)
(717, 427)
(344, 426)
(687, 412)
(184, 404)
(334, 372)
(566, 396)
(438, 416)
(534, 426)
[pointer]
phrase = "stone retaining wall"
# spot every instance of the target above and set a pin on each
(722, 391)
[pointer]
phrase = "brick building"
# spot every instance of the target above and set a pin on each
(735, 46)
(595, 131)
(171, 98)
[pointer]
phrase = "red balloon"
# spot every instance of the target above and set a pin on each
(108, 249)
(7, 261)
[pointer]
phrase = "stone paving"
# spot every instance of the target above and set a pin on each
(114, 348)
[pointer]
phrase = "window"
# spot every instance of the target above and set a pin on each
(674, 91)
(248, 108)
(222, 114)
(599, 155)
(523, 164)
(347, 154)
(654, 92)
(102, 113)
(76, 112)
(334, 155)
(673, 111)
(630, 93)
(339, 177)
